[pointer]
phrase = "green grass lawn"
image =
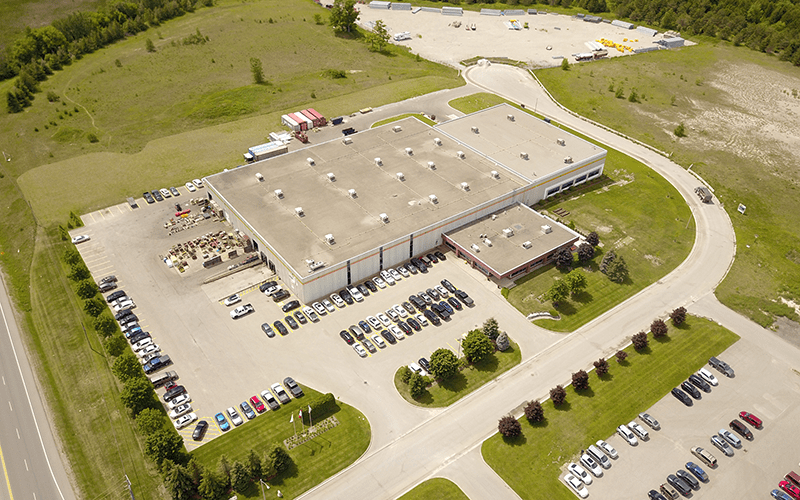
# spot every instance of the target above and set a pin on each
(530, 464)
(314, 461)
(682, 86)
(619, 208)
(447, 392)
(418, 116)
(438, 488)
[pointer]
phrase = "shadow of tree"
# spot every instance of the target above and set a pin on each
(583, 297)
(565, 406)
(606, 377)
(586, 393)
(663, 340)
(515, 441)
(455, 383)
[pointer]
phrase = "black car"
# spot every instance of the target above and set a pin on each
(424, 364)
(266, 285)
(281, 329)
(294, 304)
(200, 430)
(108, 279)
(679, 484)
(742, 429)
(371, 285)
(455, 303)
(114, 296)
(388, 336)
(682, 397)
(699, 382)
(689, 479)
(300, 317)
(432, 317)
(413, 323)
(157, 195)
(174, 393)
(654, 495)
(691, 389)
(411, 268)
(363, 289)
(155, 364)
(357, 332)
(420, 265)
(346, 337)
(440, 255)
(280, 295)
(345, 295)
(126, 316)
(295, 389)
(432, 258)
(448, 286)
(463, 297)
(406, 329)
(268, 330)
(440, 310)
(148, 197)
(291, 322)
(136, 337)
(418, 302)
(107, 287)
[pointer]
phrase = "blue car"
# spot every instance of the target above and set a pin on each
(779, 495)
(697, 471)
(446, 307)
(222, 422)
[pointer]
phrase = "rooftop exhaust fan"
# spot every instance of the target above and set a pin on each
(384, 218)
(431, 165)
(331, 177)
(400, 176)
(561, 142)
(329, 239)
(475, 130)
(352, 193)
(476, 248)
(495, 174)
(433, 198)
(487, 242)
(347, 140)
(510, 118)
(567, 159)
(397, 128)
(378, 161)
(527, 245)
(460, 154)
(259, 177)
(547, 229)
(279, 193)
(310, 161)
(299, 211)
(465, 186)
(523, 155)
(437, 141)
(508, 232)
(409, 151)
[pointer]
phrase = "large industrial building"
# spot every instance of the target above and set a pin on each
(337, 213)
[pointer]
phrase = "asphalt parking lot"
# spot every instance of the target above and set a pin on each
(763, 386)
(223, 362)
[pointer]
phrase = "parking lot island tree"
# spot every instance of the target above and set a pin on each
(491, 329)
(678, 316)
(640, 341)
(417, 385)
(558, 395)
(658, 328)
(444, 364)
(534, 411)
(509, 427)
(580, 380)
(476, 346)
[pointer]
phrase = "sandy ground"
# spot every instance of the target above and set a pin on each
(434, 37)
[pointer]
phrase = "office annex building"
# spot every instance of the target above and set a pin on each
(339, 212)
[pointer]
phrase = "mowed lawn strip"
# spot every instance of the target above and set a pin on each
(437, 488)
(445, 393)
(531, 464)
(621, 208)
(418, 116)
(314, 461)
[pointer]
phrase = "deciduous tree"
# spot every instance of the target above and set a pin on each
(534, 411)
(601, 366)
(640, 341)
(476, 346)
(509, 427)
(79, 272)
(576, 281)
(378, 37)
(617, 270)
(138, 394)
(94, 307)
(151, 420)
(344, 15)
(444, 364)
(585, 252)
(658, 328)
(558, 291)
(621, 355)
(678, 316)
(115, 345)
(105, 325)
(580, 380)
(127, 367)
(564, 259)
(592, 239)
(163, 444)
(558, 395)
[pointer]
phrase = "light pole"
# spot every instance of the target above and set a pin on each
(262, 488)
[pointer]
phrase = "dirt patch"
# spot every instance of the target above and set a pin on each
(654, 260)
(603, 229)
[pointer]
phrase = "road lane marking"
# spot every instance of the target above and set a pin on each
(18, 437)
(26, 465)
(4, 380)
(5, 471)
(10, 407)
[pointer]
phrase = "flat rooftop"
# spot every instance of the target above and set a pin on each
(355, 223)
(504, 140)
(507, 253)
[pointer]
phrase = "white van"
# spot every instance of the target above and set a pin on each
(599, 456)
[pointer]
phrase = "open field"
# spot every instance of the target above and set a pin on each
(439, 488)
(447, 392)
(314, 461)
(740, 112)
(620, 209)
(531, 463)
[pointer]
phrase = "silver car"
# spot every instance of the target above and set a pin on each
(722, 445)
(649, 420)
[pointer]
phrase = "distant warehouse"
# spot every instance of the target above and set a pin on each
(339, 212)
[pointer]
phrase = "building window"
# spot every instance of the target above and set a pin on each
(567, 185)
(452, 247)
(594, 173)
(348, 273)
(580, 179)
(517, 273)
(410, 246)
(484, 271)
(380, 260)
(552, 191)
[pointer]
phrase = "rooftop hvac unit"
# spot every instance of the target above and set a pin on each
(279, 193)
(560, 142)
(409, 151)
(510, 118)
(508, 232)
(352, 193)
(487, 242)
(526, 245)
(331, 177)
(476, 248)
(494, 216)
(567, 159)
(431, 165)
(313, 265)
(329, 239)
(299, 211)
(378, 161)
(437, 141)
(384, 218)
(433, 198)
(347, 140)
(310, 161)
(460, 154)
(397, 128)
(523, 155)
(465, 186)
(259, 177)
(495, 174)
(547, 229)
(400, 176)
(475, 130)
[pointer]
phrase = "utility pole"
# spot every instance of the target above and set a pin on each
(128, 484)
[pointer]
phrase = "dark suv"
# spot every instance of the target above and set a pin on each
(679, 484)
(174, 393)
(742, 429)
(290, 305)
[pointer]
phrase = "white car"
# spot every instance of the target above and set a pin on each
(311, 314)
(442, 291)
(234, 416)
(387, 277)
(414, 367)
(383, 319)
(607, 448)
(80, 239)
(355, 294)
(379, 282)
(374, 323)
(337, 300)
(190, 187)
(395, 274)
(185, 420)
(360, 350)
(591, 464)
(392, 314)
(639, 430)
(147, 357)
(378, 341)
(233, 299)
(421, 319)
(241, 311)
(731, 438)
(125, 304)
(402, 270)
(400, 311)
(427, 298)
(180, 410)
(627, 435)
(182, 399)
(319, 308)
(576, 485)
(579, 472)
(197, 183)
(708, 376)
(328, 305)
(138, 346)
(272, 290)
(165, 193)
(397, 332)
(148, 349)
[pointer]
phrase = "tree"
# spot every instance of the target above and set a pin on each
(601, 366)
(253, 465)
(115, 345)
(557, 292)
(576, 281)
(378, 37)
(163, 444)
(138, 394)
(565, 64)
(417, 385)
(633, 96)
(148, 44)
(178, 480)
(502, 342)
(444, 364)
(224, 470)
(211, 486)
(640, 341)
(195, 471)
(405, 374)
(151, 420)
(585, 252)
(127, 367)
(580, 380)
(621, 355)
(476, 346)
(564, 259)
(87, 289)
(239, 477)
(105, 325)
(344, 15)
(12, 102)
(534, 411)
(491, 329)
(608, 258)
(593, 239)
(72, 256)
(678, 316)
(257, 69)
(558, 395)
(279, 459)
(680, 130)
(617, 270)
(509, 427)
(94, 307)
(658, 328)
(79, 272)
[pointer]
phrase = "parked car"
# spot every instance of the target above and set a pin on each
(378, 281)
(442, 291)
(180, 410)
(279, 326)
(668, 491)
(607, 448)
(353, 291)
(691, 389)
(454, 303)
(363, 290)
(247, 410)
(790, 488)
(577, 485)
(432, 317)
(682, 397)
(688, 479)
(423, 268)
(421, 319)
(80, 238)
(178, 401)
(433, 294)
(599, 456)
(185, 420)
(157, 363)
(328, 305)
(148, 197)
(268, 330)
(173, 393)
(697, 471)
(721, 366)
(346, 337)
(414, 324)
(411, 268)
(463, 297)
(639, 430)
(337, 300)
(280, 393)
(197, 183)
(280, 295)
(294, 304)
(200, 430)
(371, 286)
(780, 495)
(300, 317)
(294, 389)
(425, 364)
(383, 319)
(398, 334)
(579, 472)
(654, 495)
(374, 323)
(448, 286)
(234, 416)
(190, 187)
(165, 193)
(356, 332)
(627, 435)
(291, 322)
(242, 311)
(369, 345)
(425, 298)
(387, 278)
(708, 376)
(751, 419)
(377, 340)
(107, 287)
(269, 400)
(722, 445)
(418, 303)
(742, 429)
(404, 327)
(414, 367)
(679, 484)
(222, 422)
(432, 258)
(364, 327)
(345, 296)
(408, 307)
(267, 285)
(705, 456)
(403, 271)
(699, 382)
(257, 404)
(591, 465)
(730, 438)
(388, 336)
(360, 350)
(649, 420)
(157, 195)
(114, 296)
(319, 308)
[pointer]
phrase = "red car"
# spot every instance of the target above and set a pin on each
(257, 404)
(750, 419)
(791, 489)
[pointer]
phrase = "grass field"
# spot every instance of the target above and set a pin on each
(710, 88)
(314, 461)
(447, 392)
(438, 488)
(418, 116)
(16, 15)
(619, 208)
(530, 464)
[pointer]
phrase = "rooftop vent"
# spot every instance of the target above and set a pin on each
(510, 118)
(347, 140)
(397, 128)
(547, 229)
(331, 177)
(508, 232)
(313, 265)
(495, 174)
(475, 130)
(567, 159)
(400, 176)
(384, 218)
(378, 161)
(494, 216)
(465, 186)
(487, 242)
(259, 177)
(329, 239)
(310, 161)
(523, 155)
(561, 142)
(527, 244)
(352, 193)
(409, 151)
(299, 211)
(433, 198)
(279, 193)
(460, 154)
(431, 165)
(437, 141)
(475, 247)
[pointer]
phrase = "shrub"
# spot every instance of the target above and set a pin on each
(405, 374)
(680, 130)
(564, 259)
(92, 137)
(580, 380)
(558, 395)
(585, 252)
(534, 411)
(334, 74)
(509, 427)
(640, 341)
(417, 385)
(678, 316)
(607, 260)
(593, 239)
(52, 96)
(149, 46)
(601, 366)
(565, 64)
(658, 328)
(621, 355)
